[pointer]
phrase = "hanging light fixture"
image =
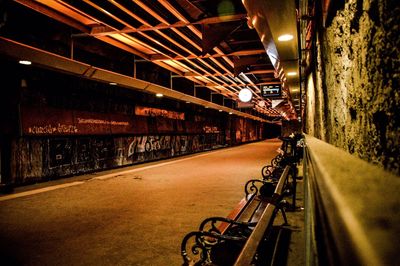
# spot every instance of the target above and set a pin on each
(245, 95)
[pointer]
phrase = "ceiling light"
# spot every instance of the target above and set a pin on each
(113, 83)
(285, 37)
(244, 77)
(187, 102)
(292, 74)
(25, 62)
(250, 24)
(254, 21)
(219, 110)
(245, 95)
(230, 113)
(206, 107)
(159, 95)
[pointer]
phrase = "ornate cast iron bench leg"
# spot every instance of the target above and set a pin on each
(202, 246)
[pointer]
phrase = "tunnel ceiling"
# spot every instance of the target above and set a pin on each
(209, 42)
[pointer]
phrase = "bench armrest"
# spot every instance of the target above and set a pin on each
(213, 220)
(201, 245)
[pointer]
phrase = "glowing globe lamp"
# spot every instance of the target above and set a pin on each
(245, 95)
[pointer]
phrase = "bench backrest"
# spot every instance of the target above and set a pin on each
(250, 248)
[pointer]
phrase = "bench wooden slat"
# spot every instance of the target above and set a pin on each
(282, 180)
(257, 214)
(247, 215)
(237, 212)
(246, 256)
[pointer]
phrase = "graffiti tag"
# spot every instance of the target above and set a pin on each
(51, 129)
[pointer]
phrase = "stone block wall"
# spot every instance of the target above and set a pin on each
(353, 94)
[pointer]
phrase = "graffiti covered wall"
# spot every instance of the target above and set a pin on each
(46, 158)
(68, 132)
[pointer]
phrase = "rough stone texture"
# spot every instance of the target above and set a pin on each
(358, 74)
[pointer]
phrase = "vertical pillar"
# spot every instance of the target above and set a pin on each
(170, 80)
(72, 48)
(134, 66)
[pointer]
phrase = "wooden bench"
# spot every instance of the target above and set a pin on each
(249, 254)
(219, 240)
(289, 154)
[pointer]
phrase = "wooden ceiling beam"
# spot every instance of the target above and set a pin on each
(245, 85)
(179, 16)
(160, 57)
(59, 16)
(255, 72)
(181, 66)
(162, 26)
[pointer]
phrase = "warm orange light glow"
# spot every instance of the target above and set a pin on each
(177, 65)
(254, 21)
(285, 37)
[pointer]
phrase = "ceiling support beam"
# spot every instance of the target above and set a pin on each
(213, 35)
(45, 10)
(101, 31)
(255, 72)
(160, 57)
(245, 85)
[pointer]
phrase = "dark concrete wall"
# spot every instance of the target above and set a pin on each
(353, 94)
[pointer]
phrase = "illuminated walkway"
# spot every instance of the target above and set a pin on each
(130, 216)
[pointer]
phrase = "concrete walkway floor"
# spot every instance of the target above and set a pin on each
(130, 216)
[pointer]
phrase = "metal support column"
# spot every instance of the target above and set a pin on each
(134, 66)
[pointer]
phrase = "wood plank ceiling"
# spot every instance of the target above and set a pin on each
(208, 42)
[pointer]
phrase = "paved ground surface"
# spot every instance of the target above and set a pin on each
(129, 216)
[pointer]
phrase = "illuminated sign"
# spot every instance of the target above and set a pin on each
(268, 91)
